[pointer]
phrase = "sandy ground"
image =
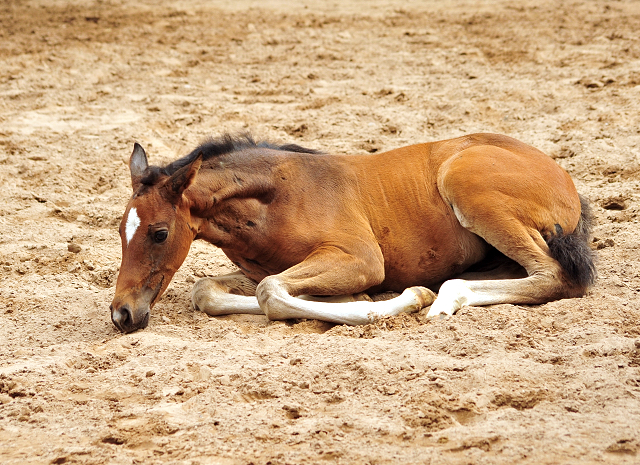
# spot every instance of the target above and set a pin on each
(81, 81)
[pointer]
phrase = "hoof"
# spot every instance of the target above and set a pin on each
(454, 294)
(440, 311)
(425, 296)
(440, 316)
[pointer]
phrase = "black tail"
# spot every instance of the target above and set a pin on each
(572, 251)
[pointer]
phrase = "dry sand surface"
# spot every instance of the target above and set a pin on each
(80, 82)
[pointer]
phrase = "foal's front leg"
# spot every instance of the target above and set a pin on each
(234, 293)
(332, 271)
(226, 294)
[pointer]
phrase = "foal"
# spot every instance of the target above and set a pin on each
(300, 223)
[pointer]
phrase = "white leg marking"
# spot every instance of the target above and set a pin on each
(213, 297)
(277, 304)
(215, 302)
(221, 303)
(133, 221)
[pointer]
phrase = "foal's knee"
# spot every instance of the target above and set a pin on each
(201, 294)
(206, 296)
(272, 298)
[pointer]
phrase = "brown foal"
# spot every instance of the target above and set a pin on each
(298, 223)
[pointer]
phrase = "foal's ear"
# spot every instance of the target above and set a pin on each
(184, 177)
(137, 164)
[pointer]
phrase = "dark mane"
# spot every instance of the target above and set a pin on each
(215, 147)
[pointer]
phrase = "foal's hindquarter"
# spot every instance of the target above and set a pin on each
(395, 221)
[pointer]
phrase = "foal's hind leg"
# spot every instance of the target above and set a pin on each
(545, 280)
(510, 215)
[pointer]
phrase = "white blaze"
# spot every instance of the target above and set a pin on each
(133, 221)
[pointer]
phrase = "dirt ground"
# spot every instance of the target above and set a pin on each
(80, 82)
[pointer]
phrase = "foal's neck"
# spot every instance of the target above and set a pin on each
(213, 188)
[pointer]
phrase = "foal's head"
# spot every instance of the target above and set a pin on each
(156, 234)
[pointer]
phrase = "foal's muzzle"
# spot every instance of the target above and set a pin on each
(124, 319)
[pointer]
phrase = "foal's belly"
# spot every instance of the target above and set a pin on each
(430, 259)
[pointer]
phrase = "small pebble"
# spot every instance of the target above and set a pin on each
(205, 373)
(74, 248)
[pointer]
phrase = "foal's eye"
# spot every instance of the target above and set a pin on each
(160, 236)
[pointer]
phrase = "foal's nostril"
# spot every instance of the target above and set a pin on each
(121, 317)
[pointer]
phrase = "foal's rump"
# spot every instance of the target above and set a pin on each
(517, 183)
